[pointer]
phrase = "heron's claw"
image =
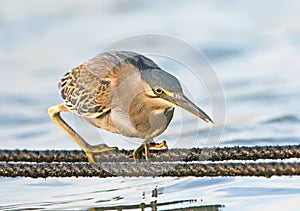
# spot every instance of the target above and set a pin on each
(159, 145)
(145, 147)
(100, 148)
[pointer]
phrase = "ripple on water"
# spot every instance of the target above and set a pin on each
(285, 118)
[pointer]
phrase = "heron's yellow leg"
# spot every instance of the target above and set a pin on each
(54, 113)
(136, 153)
(146, 146)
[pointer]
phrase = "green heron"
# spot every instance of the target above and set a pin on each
(122, 92)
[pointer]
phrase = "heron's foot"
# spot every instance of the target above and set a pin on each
(159, 145)
(100, 148)
(146, 148)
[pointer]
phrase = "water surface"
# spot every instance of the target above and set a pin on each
(252, 45)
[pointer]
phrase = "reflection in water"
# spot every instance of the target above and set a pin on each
(154, 205)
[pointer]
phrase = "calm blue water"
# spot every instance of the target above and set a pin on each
(253, 46)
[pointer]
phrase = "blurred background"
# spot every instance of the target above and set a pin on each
(254, 47)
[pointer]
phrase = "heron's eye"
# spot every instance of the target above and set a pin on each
(158, 90)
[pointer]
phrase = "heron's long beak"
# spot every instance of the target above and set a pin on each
(184, 103)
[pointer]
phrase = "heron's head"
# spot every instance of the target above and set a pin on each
(167, 87)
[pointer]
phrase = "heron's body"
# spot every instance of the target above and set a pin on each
(122, 92)
(96, 91)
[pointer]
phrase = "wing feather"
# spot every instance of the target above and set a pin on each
(87, 90)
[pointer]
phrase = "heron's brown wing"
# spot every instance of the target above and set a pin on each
(86, 91)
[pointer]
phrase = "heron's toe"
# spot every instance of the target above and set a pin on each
(163, 144)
